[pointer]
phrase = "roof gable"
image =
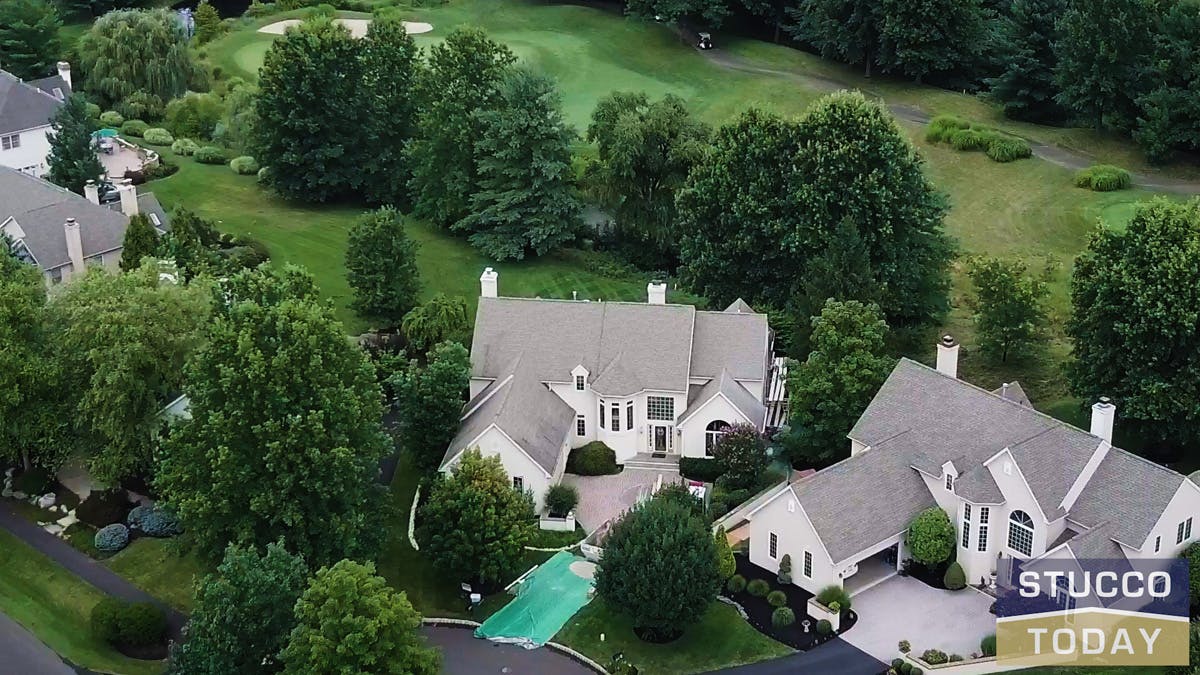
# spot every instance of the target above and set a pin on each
(733, 392)
(24, 106)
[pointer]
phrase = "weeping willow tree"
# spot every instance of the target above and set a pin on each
(136, 51)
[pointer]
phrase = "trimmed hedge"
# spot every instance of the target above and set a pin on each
(158, 136)
(758, 588)
(209, 154)
(783, 617)
(776, 598)
(736, 583)
(954, 578)
(987, 646)
(35, 481)
(1008, 149)
(1103, 178)
(134, 128)
(824, 627)
(184, 146)
(700, 468)
(129, 623)
(561, 499)
(112, 118)
(971, 139)
(244, 165)
(593, 459)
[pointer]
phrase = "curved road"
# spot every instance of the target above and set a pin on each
(24, 653)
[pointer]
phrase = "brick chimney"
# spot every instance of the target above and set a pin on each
(92, 192)
(1104, 413)
(129, 203)
(947, 356)
(656, 293)
(74, 246)
(489, 283)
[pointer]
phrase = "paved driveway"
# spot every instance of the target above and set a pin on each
(605, 497)
(23, 653)
(834, 656)
(465, 654)
(903, 608)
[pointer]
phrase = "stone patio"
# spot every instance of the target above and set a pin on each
(121, 160)
(604, 497)
(903, 608)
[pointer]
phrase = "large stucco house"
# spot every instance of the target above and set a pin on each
(26, 110)
(1015, 483)
(645, 378)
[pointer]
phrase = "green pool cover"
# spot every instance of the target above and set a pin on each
(545, 600)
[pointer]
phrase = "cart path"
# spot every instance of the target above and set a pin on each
(1068, 159)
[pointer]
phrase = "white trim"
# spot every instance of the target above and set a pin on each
(1085, 476)
(704, 405)
(486, 398)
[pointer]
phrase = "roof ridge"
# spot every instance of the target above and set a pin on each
(634, 303)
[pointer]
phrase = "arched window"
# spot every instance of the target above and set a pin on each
(1020, 532)
(713, 433)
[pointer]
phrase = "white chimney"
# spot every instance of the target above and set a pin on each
(64, 71)
(129, 204)
(1103, 415)
(947, 356)
(656, 293)
(74, 246)
(489, 283)
(92, 192)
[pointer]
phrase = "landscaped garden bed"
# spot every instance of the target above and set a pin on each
(760, 612)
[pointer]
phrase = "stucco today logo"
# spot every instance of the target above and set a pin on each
(1070, 612)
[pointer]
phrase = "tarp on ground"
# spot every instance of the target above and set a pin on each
(545, 601)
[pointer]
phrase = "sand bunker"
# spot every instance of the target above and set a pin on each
(358, 27)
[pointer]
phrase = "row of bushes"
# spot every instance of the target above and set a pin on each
(700, 468)
(934, 657)
(1103, 178)
(134, 624)
(902, 667)
(782, 616)
(593, 459)
(968, 137)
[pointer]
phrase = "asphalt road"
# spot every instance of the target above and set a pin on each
(836, 656)
(464, 654)
(21, 652)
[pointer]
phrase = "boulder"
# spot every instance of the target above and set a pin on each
(17, 494)
(67, 521)
(53, 528)
(47, 500)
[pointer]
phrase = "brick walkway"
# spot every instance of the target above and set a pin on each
(605, 497)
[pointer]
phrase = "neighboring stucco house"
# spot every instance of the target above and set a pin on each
(653, 377)
(26, 109)
(63, 233)
(1014, 482)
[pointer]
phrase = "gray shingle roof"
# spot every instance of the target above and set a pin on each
(730, 341)
(741, 399)
(739, 306)
(1096, 544)
(618, 379)
(53, 85)
(41, 208)
(523, 408)
(1013, 392)
(1128, 491)
(24, 106)
(977, 486)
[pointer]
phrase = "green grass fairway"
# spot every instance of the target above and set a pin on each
(56, 606)
(154, 566)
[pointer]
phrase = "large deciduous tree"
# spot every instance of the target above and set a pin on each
(29, 44)
(141, 52)
(659, 567)
(312, 120)
(713, 12)
(834, 385)
(920, 38)
(286, 431)
(846, 30)
(462, 78)
(645, 151)
(526, 201)
(1026, 86)
(381, 266)
(1102, 50)
(1169, 117)
(392, 60)
(72, 159)
(429, 400)
(1135, 296)
(441, 318)
(243, 614)
(350, 621)
(123, 340)
(1010, 310)
(475, 525)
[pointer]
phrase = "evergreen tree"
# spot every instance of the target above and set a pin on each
(29, 44)
(392, 61)
(844, 30)
(381, 266)
(140, 241)
(1027, 87)
(841, 272)
(429, 400)
(919, 38)
(463, 77)
(207, 21)
(72, 159)
(1102, 49)
(526, 202)
(1169, 118)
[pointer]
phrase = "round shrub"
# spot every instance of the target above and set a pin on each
(93, 111)
(824, 627)
(954, 578)
(896, 664)
(103, 507)
(158, 136)
(906, 668)
(1008, 149)
(209, 154)
(942, 126)
(112, 538)
(593, 459)
(112, 118)
(832, 594)
(142, 623)
(970, 139)
(736, 583)
(184, 146)
(758, 588)
(905, 647)
(35, 481)
(134, 128)
(561, 499)
(154, 521)
(777, 598)
(244, 165)
(106, 619)
(1103, 178)
(934, 657)
(783, 617)
(916, 671)
(987, 646)
(954, 657)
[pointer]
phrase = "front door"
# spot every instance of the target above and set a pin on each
(660, 439)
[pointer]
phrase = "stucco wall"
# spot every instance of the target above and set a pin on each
(693, 430)
(1185, 504)
(795, 536)
(516, 463)
(34, 150)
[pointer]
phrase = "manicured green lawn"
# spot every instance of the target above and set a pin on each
(55, 605)
(720, 639)
(155, 566)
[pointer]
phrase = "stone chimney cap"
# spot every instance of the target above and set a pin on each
(70, 221)
(948, 340)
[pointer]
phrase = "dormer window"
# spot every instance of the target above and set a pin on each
(579, 382)
(949, 483)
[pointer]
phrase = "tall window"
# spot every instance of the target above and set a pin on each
(601, 414)
(712, 434)
(518, 484)
(580, 425)
(660, 408)
(808, 564)
(629, 415)
(1184, 532)
(966, 526)
(950, 482)
(1020, 532)
(10, 142)
(984, 512)
(579, 382)
(616, 416)
(774, 548)
(1157, 544)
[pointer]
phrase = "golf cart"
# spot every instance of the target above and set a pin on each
(704, 41)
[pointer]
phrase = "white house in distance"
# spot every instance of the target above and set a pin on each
(26, 109)
(646, 379)
(1015, 483)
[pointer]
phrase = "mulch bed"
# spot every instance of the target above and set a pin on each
(155, 652)
(930, 576)
(758, 610)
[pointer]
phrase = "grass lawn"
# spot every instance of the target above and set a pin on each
(720, 639)
(157, 567)
(55, 605)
